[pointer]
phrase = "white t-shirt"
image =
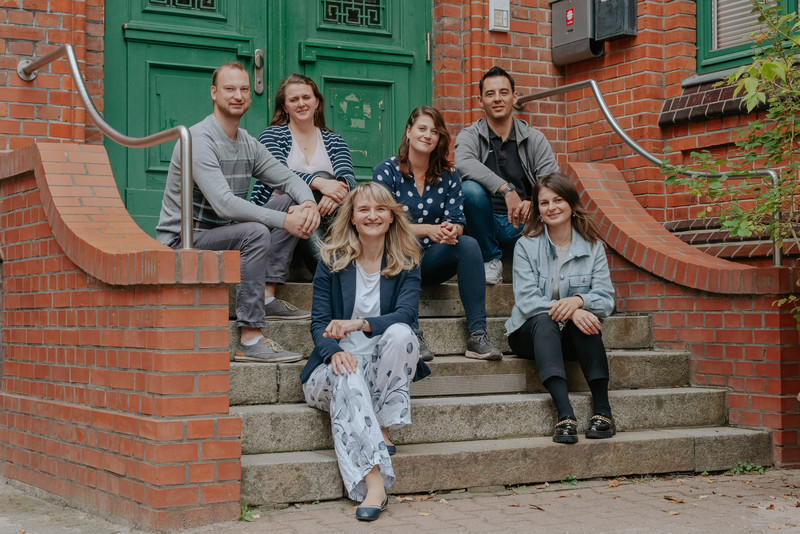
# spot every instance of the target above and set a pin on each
(367, 304)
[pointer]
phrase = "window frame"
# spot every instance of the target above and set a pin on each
(715, 60)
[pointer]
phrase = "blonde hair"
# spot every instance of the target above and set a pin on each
(342, 244)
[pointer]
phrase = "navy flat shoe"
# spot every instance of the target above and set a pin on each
(391, 449)
(371, 513)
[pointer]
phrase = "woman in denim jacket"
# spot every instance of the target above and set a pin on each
(562, 289)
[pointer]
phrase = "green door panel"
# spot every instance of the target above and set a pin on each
(164, 52)
(370, 61)
(367, 56)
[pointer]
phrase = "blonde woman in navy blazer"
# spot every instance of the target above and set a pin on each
(366, 297)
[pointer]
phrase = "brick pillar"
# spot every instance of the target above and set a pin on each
(114, 391)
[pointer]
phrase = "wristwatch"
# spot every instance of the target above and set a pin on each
(363, 323)
(508, 188)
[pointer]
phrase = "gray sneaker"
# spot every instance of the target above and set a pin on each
(265, 351)
(494, 271)
(425, 352)
(280, 309)
(480, 348)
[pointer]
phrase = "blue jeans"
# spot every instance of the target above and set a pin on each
(440, 262)
(494, 234)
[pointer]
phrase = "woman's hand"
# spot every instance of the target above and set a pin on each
(563, 309)
(338, 328)
(343, 363)
(327, 205)
(334, 189)
(586, 321)
(446, 233)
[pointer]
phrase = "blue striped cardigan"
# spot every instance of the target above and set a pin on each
(278, 140)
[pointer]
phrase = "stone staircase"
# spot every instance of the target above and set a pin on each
(481, 423)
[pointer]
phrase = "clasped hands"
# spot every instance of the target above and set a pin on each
(333, 192)
(301, 220)
(446, 233)
(571, 308)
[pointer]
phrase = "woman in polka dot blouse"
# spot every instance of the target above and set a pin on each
(422, 179)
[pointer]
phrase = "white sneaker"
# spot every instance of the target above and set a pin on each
(494, 271)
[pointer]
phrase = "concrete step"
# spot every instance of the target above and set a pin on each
(297, 427)
(259, 383)
(435, 301)
(447, 336)
(314, 475)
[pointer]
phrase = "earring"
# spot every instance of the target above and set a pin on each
(540, 218)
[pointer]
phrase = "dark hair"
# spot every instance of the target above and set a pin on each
(493, 72)
(563, 187)
(439, 158)
(234, 65)
(279, 115)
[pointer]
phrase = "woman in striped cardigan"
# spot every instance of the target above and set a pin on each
(298, 138)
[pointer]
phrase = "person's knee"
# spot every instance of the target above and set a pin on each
(402, 337)
(469, 250)
(474, 193)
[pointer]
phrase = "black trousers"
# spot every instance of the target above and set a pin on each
(540, 339)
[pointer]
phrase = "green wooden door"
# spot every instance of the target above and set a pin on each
(371, 61)
(159, 58)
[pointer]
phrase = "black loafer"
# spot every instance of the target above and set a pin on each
(566, 431)
(391, 449)
(601, 427)
(371, 513)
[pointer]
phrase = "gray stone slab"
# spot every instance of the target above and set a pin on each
(251, 383)
(309, 476)
(281, 428)
(718, 449)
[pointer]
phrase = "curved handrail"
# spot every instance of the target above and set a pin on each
(27, 71)
(598, 96)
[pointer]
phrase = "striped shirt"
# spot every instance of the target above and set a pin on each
(278, 140)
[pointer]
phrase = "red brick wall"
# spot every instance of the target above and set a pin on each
(51, 110)
(722, 312)
(114, 391)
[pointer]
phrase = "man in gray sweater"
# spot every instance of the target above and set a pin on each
(225, 159)
(499, 159)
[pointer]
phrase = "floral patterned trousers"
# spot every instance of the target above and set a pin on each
(360, 404)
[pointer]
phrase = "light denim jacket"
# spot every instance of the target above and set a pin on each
(584, 273)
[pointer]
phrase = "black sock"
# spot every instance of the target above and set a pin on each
(599, 389)
(557, 387)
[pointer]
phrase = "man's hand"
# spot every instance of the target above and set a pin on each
(301, 220)
(518, 210)
(330, 188)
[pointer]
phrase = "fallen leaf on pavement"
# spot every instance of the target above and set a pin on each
(797, 504)
(564, 496)
(771, 507)
(709, 480)
(537, 507)
(752, 506)
(419, 498)
(703, 497)
(673, 499)
(543, 486)
(739, 496)
(443, 501)
(424, 513)
(515, 505)
(791, 525)
(671, 512)
(403, 498)
(774, 527)
(613, 483)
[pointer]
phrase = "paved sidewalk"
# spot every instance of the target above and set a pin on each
(674, 504)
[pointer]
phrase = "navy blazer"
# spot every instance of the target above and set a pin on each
(334, 298)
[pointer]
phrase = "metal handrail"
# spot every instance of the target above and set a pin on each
(27, 71)
(598, 96)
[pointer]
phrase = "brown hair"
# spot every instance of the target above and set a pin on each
(342, 244)
(563, 187)
(279, 115)
(440, 156)
(233, 65)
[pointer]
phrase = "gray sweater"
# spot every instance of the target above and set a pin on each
(472, 149)
(223, 171)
